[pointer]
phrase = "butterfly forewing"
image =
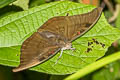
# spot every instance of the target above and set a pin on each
(82, 23)
(72, 27)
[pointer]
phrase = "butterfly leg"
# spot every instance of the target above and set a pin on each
(59, 56)
(73, 49)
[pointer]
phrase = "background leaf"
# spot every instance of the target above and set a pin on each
(34, 3)
(7, 10)
(118, 21)
(118, 1)
(58, 77)
(14, 29)
(22, 3)
(5, 73)
(5, 2)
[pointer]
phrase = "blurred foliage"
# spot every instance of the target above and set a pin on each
(5, 73)
(7, 10)
(34, 3)
(117, 23)
(108, 14)
(58, 77)
(22, 3)
(108, 72)
(118, 1)
(4, 3)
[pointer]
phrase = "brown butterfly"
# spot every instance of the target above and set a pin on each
(54, 35)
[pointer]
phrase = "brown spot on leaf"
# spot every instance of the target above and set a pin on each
(100, 43)
(90, 43)
(88, 50)
(103, 45)
(17, 54)
(96, 42)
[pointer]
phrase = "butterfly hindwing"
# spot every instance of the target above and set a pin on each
(35, 50)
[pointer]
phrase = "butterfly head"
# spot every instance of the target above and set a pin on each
(67, 46)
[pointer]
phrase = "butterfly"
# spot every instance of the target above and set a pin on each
(54, 35)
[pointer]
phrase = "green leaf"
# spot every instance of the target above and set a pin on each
(5, 2)
(14, 29)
